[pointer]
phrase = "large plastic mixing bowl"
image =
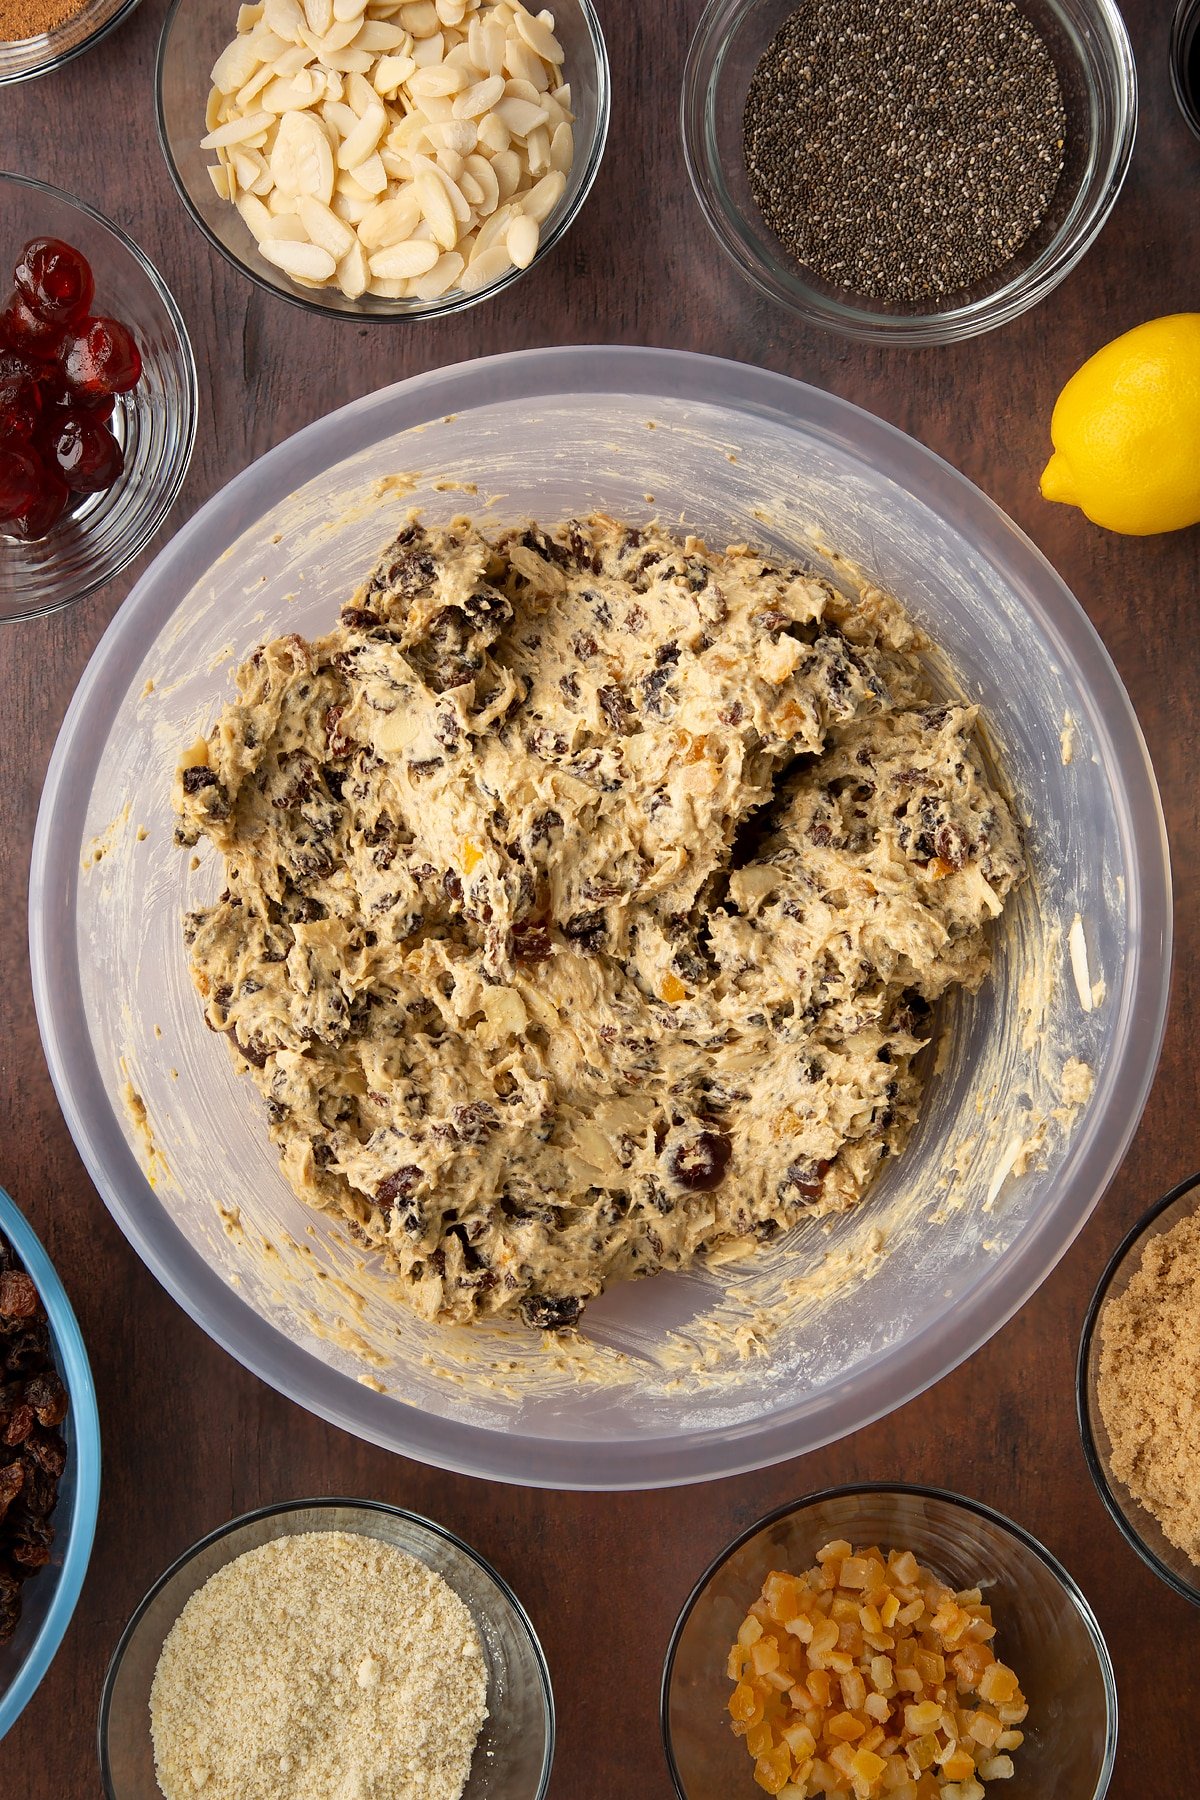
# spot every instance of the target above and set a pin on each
(684, 1376)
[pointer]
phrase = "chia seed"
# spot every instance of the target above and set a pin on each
(904, 151)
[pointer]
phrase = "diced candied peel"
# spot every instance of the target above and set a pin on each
(868, 1678)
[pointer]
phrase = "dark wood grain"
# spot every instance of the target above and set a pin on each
(190, 1438)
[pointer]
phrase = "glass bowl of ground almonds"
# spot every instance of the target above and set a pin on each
(908, 175)
(1139, 1388)
(327, 1650)
(888, 1643)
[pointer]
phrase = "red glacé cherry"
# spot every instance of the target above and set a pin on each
(20, 379)
(84, 451)
(54, 280)
(47, 509)
(21, 477)
(26, 330)
(101, 358)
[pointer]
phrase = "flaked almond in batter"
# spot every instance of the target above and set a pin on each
(587, 894)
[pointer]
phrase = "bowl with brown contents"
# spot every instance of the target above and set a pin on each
(874, 1640)
(858, 208)
(1137, 1381)
(462, 1029)
(49, 1462)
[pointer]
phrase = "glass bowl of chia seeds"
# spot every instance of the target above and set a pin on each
(915, 180)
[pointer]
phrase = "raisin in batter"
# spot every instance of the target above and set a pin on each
(587, 895)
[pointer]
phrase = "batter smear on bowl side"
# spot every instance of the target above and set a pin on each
(587, 893)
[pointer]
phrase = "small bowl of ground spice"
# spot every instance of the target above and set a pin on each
(39, 35)
(328, 1647)
(1139, 1388)
(908, 174)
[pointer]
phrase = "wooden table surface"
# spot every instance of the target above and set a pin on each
(189, 1437)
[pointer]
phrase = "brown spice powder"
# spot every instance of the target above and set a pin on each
(1149, 1383)
(21, 19)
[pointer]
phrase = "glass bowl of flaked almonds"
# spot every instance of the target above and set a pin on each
(1139, 1360)
(383, 159)
(888, 1643)
(328, 1646)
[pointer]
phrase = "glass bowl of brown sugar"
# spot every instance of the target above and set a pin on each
(39, 35)
(908, 183)
(1138, 1387)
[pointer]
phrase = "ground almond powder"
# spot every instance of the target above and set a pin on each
(325, 1666)
(1149, 1383)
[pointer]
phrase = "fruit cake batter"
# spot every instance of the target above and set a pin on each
(587, 893)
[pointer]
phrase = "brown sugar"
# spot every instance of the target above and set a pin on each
(1149, 1383)
(22, 19)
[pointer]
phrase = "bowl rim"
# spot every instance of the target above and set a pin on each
(618, 1463)
(1091, 1450)
(452, 302)
(56, 59)
(81, 1390)
(1185, 38)
(915, 1490)
(952, 324)
(320, 1503)
(190, 382)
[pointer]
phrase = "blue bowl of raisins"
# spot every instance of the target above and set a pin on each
(49, 1462)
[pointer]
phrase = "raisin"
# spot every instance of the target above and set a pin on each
(20, 1424)
(18, 1296)
(195, 780)
(543, 825)
(400, 1185)
(820, 834)
(531, 941)
(360, 618)
(421, 771)
(31, 1543)
(585, 646)
(701, 1162)
(452, 885)
(12, 1480)
(48, 1451)
(615, 706)
(950, 845)
(804, 1181)
(587, 928)
(474, 1122)
(545, 1312)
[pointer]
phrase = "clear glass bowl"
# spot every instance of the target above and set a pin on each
(156, 423)
(516, 1745)
(48, 1598)
(1184, 54)
(21, 60)
(1138, 1526)
(1091, 51)
(1046, 1631)
(193, 36)
(950, 1247)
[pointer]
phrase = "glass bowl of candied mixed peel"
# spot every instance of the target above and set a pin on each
(383, 161)
(549, 927)
(873, 1641)
(1136, 1386)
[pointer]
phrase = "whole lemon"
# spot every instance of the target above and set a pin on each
(1126, 431)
